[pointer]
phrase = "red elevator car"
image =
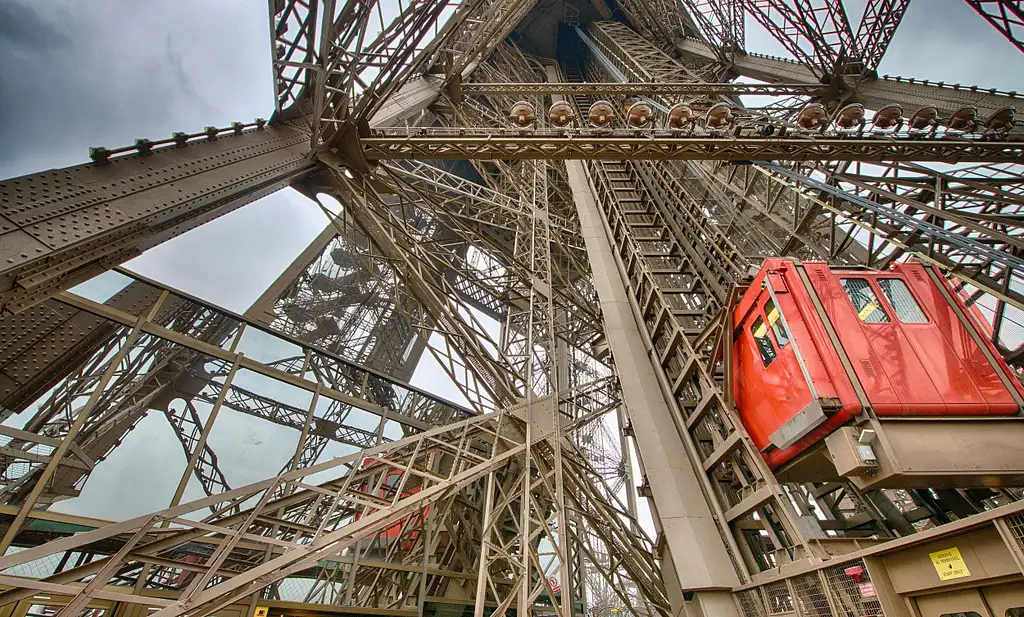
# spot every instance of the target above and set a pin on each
(392, 481)
(816, 348)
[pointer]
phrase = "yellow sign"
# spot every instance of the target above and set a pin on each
(869, 308)
(949, 564)
(261, 611)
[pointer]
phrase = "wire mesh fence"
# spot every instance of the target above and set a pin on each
(751, 603)
(778, 598)
(1016, 525)
(810, 596)
(852, 590)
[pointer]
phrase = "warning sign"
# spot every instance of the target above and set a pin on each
(261, 611)
(949, 564)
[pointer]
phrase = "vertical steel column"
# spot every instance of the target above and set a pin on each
(481, 573)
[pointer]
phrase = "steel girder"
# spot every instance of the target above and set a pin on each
(795, 218)
(743, 212)
(354, 70)
(964, 221)
(681, 245)
(876, 29)
(172, 360)
(678, 267)
(293, 49)
(836, 242)
(720, 23)
(816, 32)
(487, 217)
(874, 93)
(561, 276)
(148, 378)
(903, 215)
(624, 47)
(342, 296)
(638, 89)
(779, 547)
(678, 304)
(485, 144)
(332, 300)
(189, 429)
(661, 20)
(487, 25)
(331, 66)
(1007, 16)
(328, 63)
(332, 517)
(432, 465)
(398, 245)
(60, 228)
(517, 284)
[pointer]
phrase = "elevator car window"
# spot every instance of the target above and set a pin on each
(902, 301)
(864, 301)
(775, 322)
(763, 340)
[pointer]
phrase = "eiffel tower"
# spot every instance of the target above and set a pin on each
(593, 177)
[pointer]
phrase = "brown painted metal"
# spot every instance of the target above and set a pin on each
(418, 247)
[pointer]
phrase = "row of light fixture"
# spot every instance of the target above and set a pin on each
(813, 118)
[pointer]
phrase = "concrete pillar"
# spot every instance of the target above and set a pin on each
(697, 559)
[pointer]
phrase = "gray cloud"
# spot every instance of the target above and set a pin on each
(22, 27)
(106, 72)
(182, 80)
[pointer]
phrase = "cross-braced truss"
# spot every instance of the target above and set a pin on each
(571, 276)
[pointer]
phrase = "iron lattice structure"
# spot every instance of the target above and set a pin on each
(608, 256)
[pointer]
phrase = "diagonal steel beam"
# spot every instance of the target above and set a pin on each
(58, 229)
(876, 29)
(1007, 16)
(816, 32)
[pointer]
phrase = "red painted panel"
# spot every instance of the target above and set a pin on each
(394, 531)
(768, 397)
(854, 336)
(973, 378)
(933, 368)
(822, 361)
(778, 396)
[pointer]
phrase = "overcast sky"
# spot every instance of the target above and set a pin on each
(76, 74)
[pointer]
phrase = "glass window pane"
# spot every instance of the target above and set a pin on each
(864, 300)
(763, 341)
(902, 301)
(775, 322)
